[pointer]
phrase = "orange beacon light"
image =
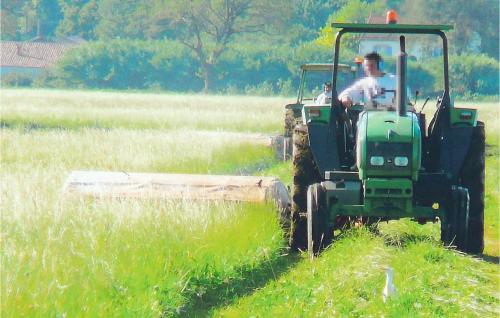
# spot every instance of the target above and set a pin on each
(391, 17)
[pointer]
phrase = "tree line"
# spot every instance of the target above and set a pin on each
(225, 44)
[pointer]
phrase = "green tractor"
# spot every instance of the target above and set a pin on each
(313, 75)
(367, 165)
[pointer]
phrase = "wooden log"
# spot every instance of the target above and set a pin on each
(102, 184)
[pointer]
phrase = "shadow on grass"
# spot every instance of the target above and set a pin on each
(32, 126)
(492, 150)
(250, 279)
(489, 258)
(404, 239)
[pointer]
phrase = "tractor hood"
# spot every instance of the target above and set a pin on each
(386, 126)
(388, 145)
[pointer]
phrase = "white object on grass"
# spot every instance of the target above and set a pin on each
(389, 288)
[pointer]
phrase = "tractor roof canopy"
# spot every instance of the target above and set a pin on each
(324, 67)
(392, 28)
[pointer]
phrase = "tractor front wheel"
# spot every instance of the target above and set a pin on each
(319, 232)
(455, 224)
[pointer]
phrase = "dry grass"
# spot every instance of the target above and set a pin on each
(73, 110)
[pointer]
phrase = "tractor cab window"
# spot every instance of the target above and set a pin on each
(424, 69)
(315, 79)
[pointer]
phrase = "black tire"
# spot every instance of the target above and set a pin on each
(289, 122)
(455, 224)
(287, 140)
(472, 177)
(305, 173)
(319, 231)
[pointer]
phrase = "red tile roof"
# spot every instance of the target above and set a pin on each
(32, 54)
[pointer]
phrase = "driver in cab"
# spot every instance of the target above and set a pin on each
(376, 91)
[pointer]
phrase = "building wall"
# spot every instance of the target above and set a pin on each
(388, 48)
(4, 70)
(384, 48)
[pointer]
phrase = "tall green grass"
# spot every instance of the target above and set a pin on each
(65, 257)
(348, 279)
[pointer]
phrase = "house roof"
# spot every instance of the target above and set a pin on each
(32, 54)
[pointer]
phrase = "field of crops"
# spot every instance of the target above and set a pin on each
(67, 257)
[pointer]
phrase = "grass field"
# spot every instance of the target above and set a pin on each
(144, 258)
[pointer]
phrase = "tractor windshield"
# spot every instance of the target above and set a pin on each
(314, 77)
(378, 45)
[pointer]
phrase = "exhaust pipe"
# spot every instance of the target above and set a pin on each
(401, 78)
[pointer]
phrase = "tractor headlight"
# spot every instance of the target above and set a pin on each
(401, 161)
(377, 161)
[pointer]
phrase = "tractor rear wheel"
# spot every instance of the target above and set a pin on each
(305, 173)
(319, 232)
(472, 177)
(287, 142)
(289, 123)
(455, 224)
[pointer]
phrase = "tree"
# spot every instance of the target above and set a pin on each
(9, 13)
(24, 19)
(475, 22)
(80, 18)
(123, 19)
(309, 16)
(354, 11)
(48, 17)
(207, 27)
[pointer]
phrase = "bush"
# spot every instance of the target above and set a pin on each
(125, 64)
(253, 69)
(420, 79)
(469, 74)
(242, 68)
(17, 80)
(264, 89)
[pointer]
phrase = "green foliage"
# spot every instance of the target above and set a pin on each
(166, 64)
(420, 78)
(355, 11)
(469, 74)
(257, 49)
(26, 19)
(80, 18)
(128, 64)
(475, 22)
(17, 80)
(123, 19)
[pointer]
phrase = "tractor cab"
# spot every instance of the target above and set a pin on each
(312, 78)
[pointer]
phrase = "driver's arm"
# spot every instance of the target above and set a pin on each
(353, 94)
(346, 100)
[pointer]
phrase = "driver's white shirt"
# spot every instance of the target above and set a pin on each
(323, 98)
(379, 89)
